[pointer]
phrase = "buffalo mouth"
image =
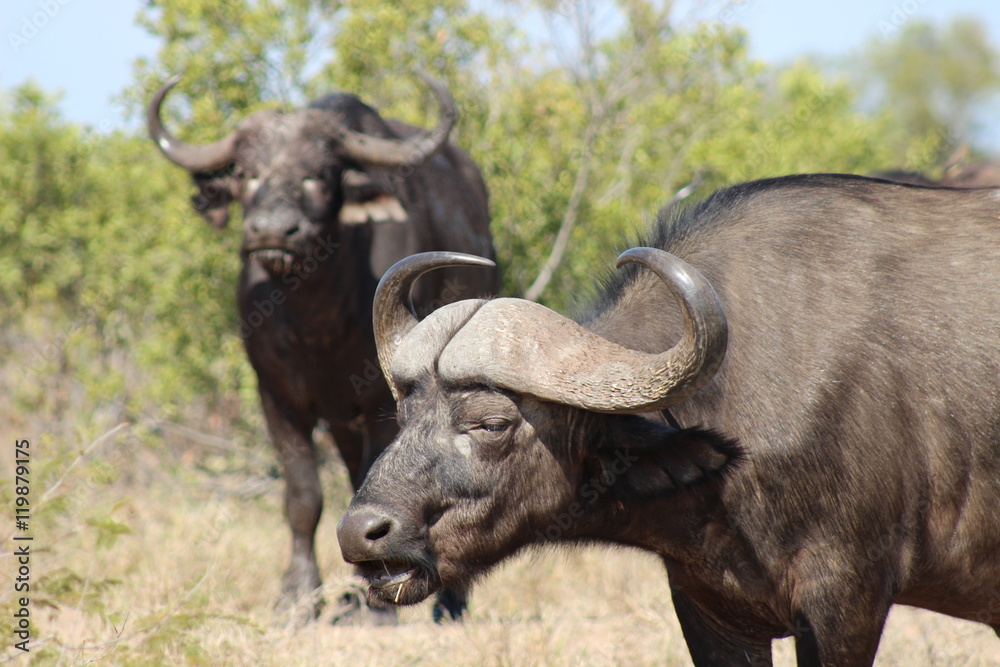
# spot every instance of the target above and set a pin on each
(277, 261)
(398, 582)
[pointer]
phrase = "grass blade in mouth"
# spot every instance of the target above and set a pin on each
(395, 573)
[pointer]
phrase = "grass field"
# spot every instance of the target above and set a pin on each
(159, 544)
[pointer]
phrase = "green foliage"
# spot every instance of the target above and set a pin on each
(108, 531)
(65, 587)
(596, 147)
(168, 632)
(105, 273)
(234, 55)
(784, 139)
(933, 77)
(40, 163)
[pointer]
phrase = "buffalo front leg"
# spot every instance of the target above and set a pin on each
(711, 645)
(824, 641)
(450, 605)
(839, 626)
(292, 438)
(362, 440)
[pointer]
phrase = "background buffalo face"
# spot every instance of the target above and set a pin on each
(298, 176)
(295, 188)
(295, 191)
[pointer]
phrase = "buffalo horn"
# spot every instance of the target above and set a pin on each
(388, 153)
(208, 157)
(525, 347)
(393, 316)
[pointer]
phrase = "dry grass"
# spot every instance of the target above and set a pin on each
(200, 570)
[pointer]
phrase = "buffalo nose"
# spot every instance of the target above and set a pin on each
(360, 532)
(275, 226)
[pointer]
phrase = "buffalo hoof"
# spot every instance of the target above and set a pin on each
(297, 608)
(298, 613)
(450, 605)
(353, 608)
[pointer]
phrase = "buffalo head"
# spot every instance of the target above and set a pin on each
(301, 174)
(516, 423)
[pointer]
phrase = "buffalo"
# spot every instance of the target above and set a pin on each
(791, 394)
(984, 174)
(332, 196)
(906, 176)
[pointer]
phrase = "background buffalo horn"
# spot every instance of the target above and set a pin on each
(527, 348)
(393, 316)
(195, 159)
(388, 153)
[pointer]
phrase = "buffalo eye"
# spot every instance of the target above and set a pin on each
(494, 425)
(316, 197)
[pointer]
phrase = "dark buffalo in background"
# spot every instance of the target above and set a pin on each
(832, 445)
(985, 174)
(959, 172)
(977, 175)
(332, 196)
(905, 176)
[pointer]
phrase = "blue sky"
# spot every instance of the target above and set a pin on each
(86, 50)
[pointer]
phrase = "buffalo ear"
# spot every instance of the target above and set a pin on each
(659, 458)
(216, 191)
(369, 198)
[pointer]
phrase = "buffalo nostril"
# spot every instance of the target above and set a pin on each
(379, 531)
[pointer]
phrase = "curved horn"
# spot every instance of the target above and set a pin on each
(392, 315)
(706, 331)
(525, 347)
(193, 158)
(388, 153)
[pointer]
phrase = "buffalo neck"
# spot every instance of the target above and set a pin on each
(613, 497)
(671, 525)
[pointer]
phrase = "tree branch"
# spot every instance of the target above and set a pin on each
(569, 217)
